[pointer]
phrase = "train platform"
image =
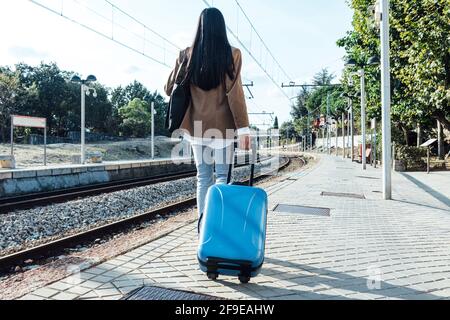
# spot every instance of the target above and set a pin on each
(330, 236)
(20, 181)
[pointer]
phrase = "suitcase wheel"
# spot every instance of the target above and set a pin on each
(244, 280)
(212, 276)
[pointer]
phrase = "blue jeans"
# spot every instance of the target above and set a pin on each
(206, 159)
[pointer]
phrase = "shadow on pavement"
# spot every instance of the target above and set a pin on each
(338, 280)
(435, 194)
(421, 205)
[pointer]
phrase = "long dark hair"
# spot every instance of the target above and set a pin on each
(211, 56)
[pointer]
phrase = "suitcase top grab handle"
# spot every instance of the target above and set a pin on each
(252, 163)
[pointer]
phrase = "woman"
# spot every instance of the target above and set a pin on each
(217, 112)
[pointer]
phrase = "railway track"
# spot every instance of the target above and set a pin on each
(53, 248)
(46, 198)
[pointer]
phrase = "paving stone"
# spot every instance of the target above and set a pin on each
(65, 296)
(91, 295)
(105, 277)
(103, 293)
(32, 297)
(404, 244)
(78, 290)
(96, 271)
(91, 284)
(46, 292)
(60, 286)
(127, 290)
(127, 283)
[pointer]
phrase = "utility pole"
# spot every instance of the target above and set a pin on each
(419, 139)
(328, 125)
(343, 135)
(308, 130)
(153, 130)
(386, 100)
(348, 132)
(363, 117)
(337, 139)
(85, 90)
(440, 146)
(352, 133)
(83, 123)
(375, 143)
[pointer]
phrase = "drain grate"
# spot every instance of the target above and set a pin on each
(285, 208)
(151, 293)
(343, 195)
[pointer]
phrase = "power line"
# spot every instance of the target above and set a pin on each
(262, 41)
(142, 24)
(115, 24)
(206, 2)
(111, 36)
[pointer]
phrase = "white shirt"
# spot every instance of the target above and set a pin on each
(215, 143)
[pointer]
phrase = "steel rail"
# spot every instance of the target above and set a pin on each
(57, 246)
(29, 201)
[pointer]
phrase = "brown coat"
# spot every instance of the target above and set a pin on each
(222, 108)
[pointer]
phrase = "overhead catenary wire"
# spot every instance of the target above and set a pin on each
(262, 41)
(111, 36)
(141, 23)
(115, 24)
(251, 54)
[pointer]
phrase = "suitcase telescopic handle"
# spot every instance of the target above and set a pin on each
(253, 160)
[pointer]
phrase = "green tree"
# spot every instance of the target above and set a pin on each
(136, 119)
(53, 100)
(122, 96)
(299, 108)
(276, 125)
(420, 60)
(9, 93)
(311, 103)
(288, 131)
(324, 77)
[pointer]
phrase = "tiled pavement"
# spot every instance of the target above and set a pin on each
(367, 249)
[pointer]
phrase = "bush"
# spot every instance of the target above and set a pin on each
(413, 157)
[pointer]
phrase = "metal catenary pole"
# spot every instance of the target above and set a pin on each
(45, 144)
(375, 153)
(83, 123)
(343, 135)
(386, 100)
(419, 140)
(352, 133)
(12, 136)
(328, 125)
(348, 133)
(440, 146)
(153, 130)
(363, 118)
(337, 140)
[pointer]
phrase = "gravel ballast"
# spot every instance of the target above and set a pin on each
(28, 228)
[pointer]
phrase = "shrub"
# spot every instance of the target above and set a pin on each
(413, 157)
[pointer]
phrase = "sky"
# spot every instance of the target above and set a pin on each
(300, 34)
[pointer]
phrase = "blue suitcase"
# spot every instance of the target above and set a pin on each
(233, 231)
